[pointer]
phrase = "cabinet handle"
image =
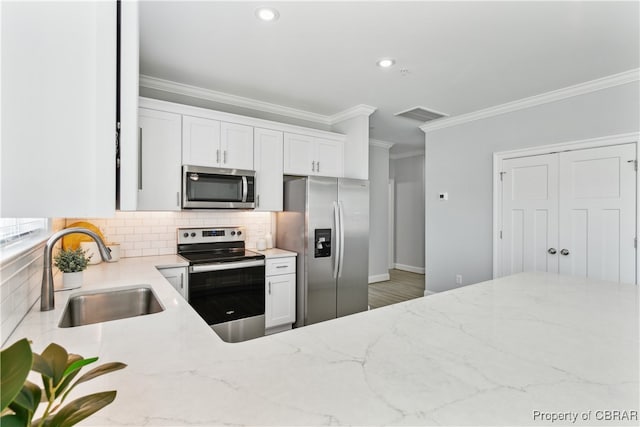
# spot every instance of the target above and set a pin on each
(224, 156)
(258, 201)
(313, 166)
(217, 156)
(281, 266)
(317, 166)
(139, 158)
(177, 198)
(565, 252)
(269, 287)
(552, 251)
(181, 280)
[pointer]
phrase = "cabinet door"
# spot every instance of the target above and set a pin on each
(178, 277)
(268, 164)
(280, 304)
(298, 154)
(236, 145)
(200, 141)
(58, 109)
(159, 173)
(329, 158)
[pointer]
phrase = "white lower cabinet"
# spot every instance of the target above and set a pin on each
(280, 294)
(178, 277)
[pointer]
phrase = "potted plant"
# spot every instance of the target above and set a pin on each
(71, 262)
(20, 398)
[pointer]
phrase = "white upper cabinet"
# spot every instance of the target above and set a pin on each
(59, 104)
(200, 141)
(268, 165)
(236, 146)
(298, 154)
(160, 169)
(307, 155)
(207, 142)
(329, 158)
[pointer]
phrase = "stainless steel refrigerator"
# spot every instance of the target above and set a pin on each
(326, 221)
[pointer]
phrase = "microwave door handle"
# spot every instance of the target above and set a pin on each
(245, 188)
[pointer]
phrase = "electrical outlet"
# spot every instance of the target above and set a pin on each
(458, 279)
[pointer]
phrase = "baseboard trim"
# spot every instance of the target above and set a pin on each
(427, 293)
(410, 268)
(379, 278)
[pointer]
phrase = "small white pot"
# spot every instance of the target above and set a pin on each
(72, 280)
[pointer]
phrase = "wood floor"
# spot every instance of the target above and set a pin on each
(403, 286)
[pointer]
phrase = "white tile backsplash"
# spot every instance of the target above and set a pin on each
(20, 280)
(154, 233)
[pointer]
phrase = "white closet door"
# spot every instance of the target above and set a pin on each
(530, 214)
(597, 213)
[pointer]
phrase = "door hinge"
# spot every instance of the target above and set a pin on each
(501, 234)
(502, 176)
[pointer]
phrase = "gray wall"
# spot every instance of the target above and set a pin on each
(459, 160)
(408, 173)
(379, 213)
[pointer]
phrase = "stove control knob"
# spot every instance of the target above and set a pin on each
(233, 233)
(193, 234)
(185, 235)
(239, 232)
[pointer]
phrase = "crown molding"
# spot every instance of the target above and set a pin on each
(381, 144)
(544, 98)
(226, 98)
(357, 111)
(406, 154)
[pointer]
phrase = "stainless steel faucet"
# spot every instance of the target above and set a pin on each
(46, 296)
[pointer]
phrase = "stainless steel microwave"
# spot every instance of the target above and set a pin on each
(217, 188)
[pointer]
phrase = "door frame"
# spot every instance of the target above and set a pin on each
(498, 157)
(391, 241)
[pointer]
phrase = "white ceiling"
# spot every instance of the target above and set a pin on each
(320, 56)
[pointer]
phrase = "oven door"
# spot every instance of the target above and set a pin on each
(229, 291)
(216, 188)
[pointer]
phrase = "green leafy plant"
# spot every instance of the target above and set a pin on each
(71, 260)
(20, 397)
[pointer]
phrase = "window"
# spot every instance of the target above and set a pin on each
(13, 230)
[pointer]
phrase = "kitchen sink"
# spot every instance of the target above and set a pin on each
(107, 305)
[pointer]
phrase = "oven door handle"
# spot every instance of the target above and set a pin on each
(224, 266)
(245, 188)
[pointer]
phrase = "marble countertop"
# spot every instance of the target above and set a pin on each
(275, 253)
(487, 354)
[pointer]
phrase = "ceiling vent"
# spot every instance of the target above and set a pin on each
(420, 114)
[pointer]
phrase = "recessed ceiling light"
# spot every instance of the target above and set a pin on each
(267, 14)
(385, 62)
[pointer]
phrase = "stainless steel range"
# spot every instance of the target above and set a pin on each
(226, 281)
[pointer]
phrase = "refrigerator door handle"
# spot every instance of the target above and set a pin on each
(341, 264)
(336, 244)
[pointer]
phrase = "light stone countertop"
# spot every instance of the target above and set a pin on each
(274, 253)
(486, 354)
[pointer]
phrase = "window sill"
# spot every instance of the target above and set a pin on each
(14, 250)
